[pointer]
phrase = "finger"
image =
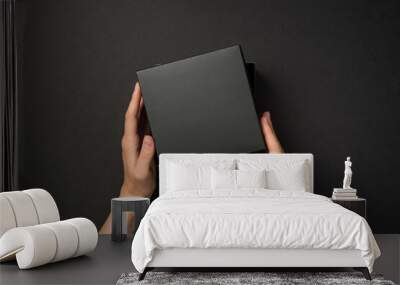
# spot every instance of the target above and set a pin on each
(131, 113)
(136, 98)
(266, 123)
(267, 116)
(271, 140)
(130, 138)
(143, 164)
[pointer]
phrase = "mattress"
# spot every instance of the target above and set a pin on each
(251, 219)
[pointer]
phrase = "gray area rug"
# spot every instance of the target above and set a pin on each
(229, 278)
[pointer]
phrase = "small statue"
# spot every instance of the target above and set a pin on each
(348, 173)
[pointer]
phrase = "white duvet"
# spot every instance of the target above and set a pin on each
(250, 218)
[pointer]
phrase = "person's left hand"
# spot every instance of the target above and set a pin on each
(137, 158)
(137, 154)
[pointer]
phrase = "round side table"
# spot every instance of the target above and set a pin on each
(119, 207)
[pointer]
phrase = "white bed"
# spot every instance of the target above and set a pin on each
(281, 224)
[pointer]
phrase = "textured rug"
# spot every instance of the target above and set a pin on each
(232, 278)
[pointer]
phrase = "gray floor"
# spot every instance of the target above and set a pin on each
(103, 266)
(110, 260)
(389, 262)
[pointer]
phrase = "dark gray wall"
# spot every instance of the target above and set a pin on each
(328, 70)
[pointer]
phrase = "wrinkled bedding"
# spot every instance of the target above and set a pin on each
(251, 218)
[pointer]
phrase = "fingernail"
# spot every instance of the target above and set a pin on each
(134, 90)
(264, 116)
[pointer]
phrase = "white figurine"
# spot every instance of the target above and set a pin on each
(348, 173)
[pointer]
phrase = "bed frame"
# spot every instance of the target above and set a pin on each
(246, 258)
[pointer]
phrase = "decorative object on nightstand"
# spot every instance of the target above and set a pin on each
(347, 196)
(348, 173)
(119, 208)
(346, 193)
(357, 205)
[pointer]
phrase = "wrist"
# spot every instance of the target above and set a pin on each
(127, 190)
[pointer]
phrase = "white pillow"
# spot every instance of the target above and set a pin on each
(223, 179)
(181, 177)
(193, 174)
(280, 175)
(236, 179)
(251, 178)
(291, 179)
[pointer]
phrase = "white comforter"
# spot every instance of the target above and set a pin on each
(250, 219)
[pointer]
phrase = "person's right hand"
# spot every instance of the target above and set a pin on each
(271, 140)
(137, 153)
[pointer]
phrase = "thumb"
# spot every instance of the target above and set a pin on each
(266, 123)
(270, 137)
